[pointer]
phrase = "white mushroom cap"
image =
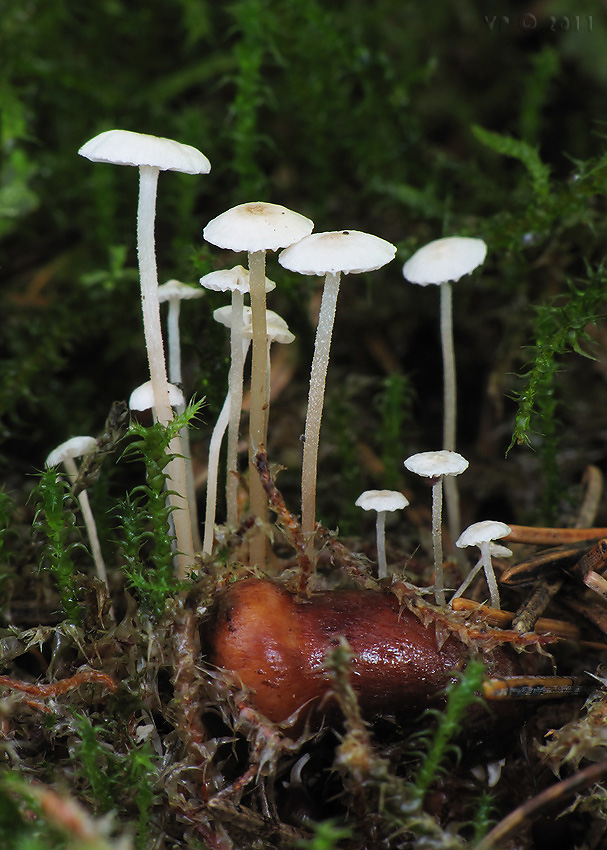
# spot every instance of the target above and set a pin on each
(124, 147)
(381, 500)
(74, 447)
(228, 280)
(346, 251)
(277, 329)
(257, 226)
(433, 464)
(495, 549)
(444, 260)
(177, 289)
(482, 532)
(142, 397)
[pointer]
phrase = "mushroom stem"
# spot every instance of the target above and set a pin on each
(224, 421)
(468, 580)
(449, 403)
(494, 593)
(176, 475)
(89, 521)
(237, 358)
(174, 341)
(380, 530)
(318, 376)
(437, 540)
(257, 496)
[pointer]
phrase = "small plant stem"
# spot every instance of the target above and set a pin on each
(468, 580)
(176, 475)
(257, 497)
(380, 530)
(235, 389)
(437, 540)
(318, 376)
(449, 403)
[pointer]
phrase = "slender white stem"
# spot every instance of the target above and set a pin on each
(380, 531)
(223, 421)
(257, 496)
(316, 394)
(437, 540)
(494, 593)
(176, 476)
(468, 580)
(174, 340)
(449, 403)
(235, 384)
(89, 521)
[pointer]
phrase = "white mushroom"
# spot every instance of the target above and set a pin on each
(435, 465)
(174, 291)
(482, 534)
(65, 454)
(142, 397)
(494, 549)
(257, 227)
(381, 501)
(152, 154)
(442, 262)
(330, 254)
(236, 281)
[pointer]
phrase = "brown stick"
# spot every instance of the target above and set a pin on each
(552, 536)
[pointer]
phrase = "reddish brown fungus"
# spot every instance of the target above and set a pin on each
(276, 645)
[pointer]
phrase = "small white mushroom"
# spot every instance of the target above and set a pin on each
(153, 154)
(257, 227)
(443, 262)
(495, 549)
(236, 281)
(330, 254)
(435, 465)
(482, 534)
(381, 501)
(174, 291)
(65, 454)
(142, 397)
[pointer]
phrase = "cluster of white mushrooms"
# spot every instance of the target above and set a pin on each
(256, 228)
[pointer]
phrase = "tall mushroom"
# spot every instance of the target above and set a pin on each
(236, 281)
(435, 465)
(381, 501)
(65, 454)
(152, 154)
(482, 534)
(257, 227)
(443, 262)
(330, 254)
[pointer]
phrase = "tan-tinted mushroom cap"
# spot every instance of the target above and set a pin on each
(482, 532)
(125, 147)
(382, 500)
(346, 251)
(257, 226)
(433, 464)
(445, 260)
(230, 280)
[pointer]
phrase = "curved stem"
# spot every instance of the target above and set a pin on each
(316, 394)
(235, 384)
(437, 540)
(148, 275)
(468, 580)
(257, 497)
(490, 575)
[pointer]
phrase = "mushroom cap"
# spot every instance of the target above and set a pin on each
(433, 464)
(444, 260)
(179, 290)
(74, 447)
(381, 500)
(230, 280)
(124, 147)
(257, 226)
(142, 397)
(346, 251)
(482, 532)
(277, 329)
